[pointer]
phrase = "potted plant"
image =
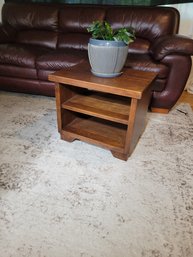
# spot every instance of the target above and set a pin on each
(108, 49)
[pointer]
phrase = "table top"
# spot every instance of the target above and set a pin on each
(131, 83)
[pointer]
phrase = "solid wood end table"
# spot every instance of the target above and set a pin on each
(108, 112)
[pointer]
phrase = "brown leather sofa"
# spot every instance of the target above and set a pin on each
(38, 39)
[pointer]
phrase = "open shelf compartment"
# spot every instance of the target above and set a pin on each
(101, 105)
(97, 131)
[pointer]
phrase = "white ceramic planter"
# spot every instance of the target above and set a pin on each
(107, 58)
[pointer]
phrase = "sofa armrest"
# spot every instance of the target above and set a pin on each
(173, 44)
(6, 34)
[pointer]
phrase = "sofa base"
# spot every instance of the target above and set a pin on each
(27, 86)
(159, 110)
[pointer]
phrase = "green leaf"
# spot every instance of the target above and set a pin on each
(124, 35)
(103, 30)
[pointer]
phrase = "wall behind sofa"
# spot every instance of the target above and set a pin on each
(1, 4)
(186, 28)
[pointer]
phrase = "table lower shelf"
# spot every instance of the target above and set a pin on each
(103, 133)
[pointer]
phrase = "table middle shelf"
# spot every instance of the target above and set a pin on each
(105, 106)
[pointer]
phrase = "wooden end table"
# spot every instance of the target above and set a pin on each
(108, 112)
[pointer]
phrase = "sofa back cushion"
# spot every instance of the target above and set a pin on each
(73, 24)
(35, 24)
(148, 22)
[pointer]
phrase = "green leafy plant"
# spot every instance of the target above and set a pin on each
(103, 30)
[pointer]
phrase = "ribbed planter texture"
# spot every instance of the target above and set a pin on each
(107, 58)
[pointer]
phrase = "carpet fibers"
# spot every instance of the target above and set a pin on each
(60, 199)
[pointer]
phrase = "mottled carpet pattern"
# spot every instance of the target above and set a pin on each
(60, 199)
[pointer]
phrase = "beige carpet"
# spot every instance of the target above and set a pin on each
(60, 199)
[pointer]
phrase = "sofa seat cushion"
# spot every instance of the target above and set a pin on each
(146, 63)
(20, 54)
(18, 72)
(32, 86)
(60, 59)
(57, 60)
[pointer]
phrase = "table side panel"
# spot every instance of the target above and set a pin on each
(137, 121)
